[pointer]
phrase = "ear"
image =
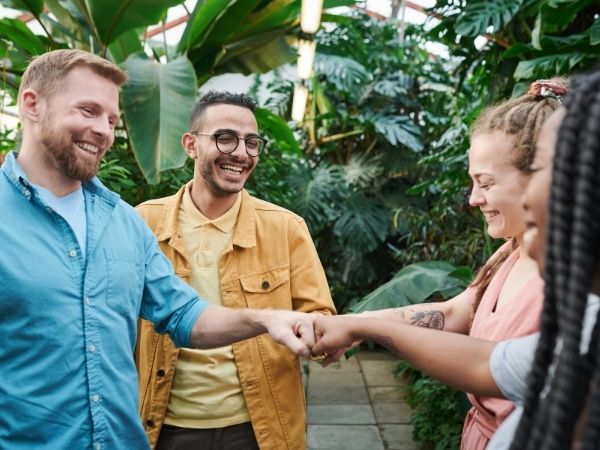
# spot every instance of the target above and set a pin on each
(31, 105)
(188, 142)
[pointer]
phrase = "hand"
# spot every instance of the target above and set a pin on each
(335, 335)
(295, 330)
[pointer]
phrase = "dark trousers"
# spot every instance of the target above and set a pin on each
(235, 437)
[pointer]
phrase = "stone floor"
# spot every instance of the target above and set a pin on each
(357, 405)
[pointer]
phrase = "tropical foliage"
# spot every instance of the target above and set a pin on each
(220, 36)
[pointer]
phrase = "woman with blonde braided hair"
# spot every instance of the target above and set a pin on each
(505, 299)
(561, 396)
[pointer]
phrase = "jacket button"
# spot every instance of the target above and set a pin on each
(150, 422)
(160, 373)
(265, 285)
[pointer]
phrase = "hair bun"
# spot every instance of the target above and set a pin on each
(547, 88)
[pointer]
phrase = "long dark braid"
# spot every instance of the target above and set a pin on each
(573, 255)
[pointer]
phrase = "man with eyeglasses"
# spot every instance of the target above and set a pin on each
(241, 252)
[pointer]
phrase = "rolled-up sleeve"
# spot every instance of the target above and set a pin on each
(170, 304)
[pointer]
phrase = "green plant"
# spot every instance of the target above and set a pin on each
(417, 283)
(220, 36)
(439, 411)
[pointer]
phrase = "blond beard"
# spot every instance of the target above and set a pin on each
(61, 149)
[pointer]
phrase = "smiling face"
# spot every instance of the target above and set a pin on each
(497, 184)
(77, 124)
(537, 193)
(224, 175)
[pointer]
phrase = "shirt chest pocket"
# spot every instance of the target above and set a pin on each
(124, 281)
(268, 289)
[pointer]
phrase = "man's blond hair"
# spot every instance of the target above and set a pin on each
(47, 71)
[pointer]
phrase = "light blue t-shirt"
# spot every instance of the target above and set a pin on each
(72, 208)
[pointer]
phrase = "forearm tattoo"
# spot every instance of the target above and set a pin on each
(425, 319)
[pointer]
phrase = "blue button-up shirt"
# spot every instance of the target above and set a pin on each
(68, 325)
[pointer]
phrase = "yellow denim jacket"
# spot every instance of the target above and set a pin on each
(270, 263)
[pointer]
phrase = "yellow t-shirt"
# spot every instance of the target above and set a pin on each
(206, 390)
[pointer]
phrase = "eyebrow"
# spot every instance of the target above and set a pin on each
(228, 130)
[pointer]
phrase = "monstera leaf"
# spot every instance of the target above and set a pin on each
(363, 223)
(481, 14)
(157, 101)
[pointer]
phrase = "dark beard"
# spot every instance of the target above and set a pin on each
(68, 162)
(207, 171)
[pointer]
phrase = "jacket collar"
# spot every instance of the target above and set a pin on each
(244, 232)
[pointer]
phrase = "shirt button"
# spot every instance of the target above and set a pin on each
(95, 398)
(87, 300)
(92, 348)
(73, 253)
(265, 285)
(97, 446)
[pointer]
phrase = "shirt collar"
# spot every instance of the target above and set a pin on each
(15, 173)
(224, 223)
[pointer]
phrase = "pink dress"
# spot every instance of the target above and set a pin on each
(519, 316)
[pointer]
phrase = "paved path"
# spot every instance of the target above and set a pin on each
(357, 405)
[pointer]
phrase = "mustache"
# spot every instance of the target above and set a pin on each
(228, 159)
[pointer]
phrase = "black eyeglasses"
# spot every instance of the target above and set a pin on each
(228, 142)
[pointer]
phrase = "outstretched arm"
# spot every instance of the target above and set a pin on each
(218, 326)
(452, 315)
(457, 360)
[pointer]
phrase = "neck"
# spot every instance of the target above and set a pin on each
(207, 203)
(524, 258)
(42, 169)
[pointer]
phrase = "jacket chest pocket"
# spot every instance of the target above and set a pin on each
(268, 289)
(124, 275)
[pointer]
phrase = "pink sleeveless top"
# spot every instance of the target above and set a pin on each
(518, 316)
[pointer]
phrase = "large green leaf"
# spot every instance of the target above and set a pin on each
(249, 57)
(283, 13)
(114, 17)
(35, 7)
(415, 284)
(275, 14)
(556, 15)
(346, 73)
(157, 101)
(363, 224)
(21, 36)
(363, 170)
(399, 130)
(318, 191)
(203, 20)
(481, 14)
(548, 66)
(126, 44)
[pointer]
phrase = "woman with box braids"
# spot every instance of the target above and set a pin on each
(550, 419)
